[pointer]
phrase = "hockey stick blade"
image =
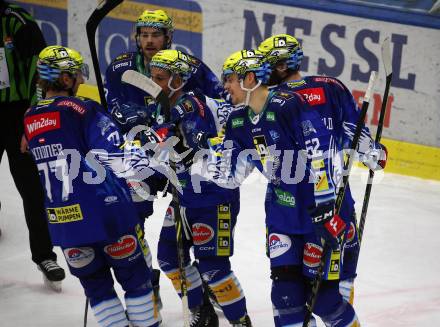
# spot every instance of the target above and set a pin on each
(103, 8)
(146, 84)
(310, 304)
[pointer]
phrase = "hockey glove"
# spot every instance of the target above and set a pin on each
(376, 157)
(328, 226)
(129, 115)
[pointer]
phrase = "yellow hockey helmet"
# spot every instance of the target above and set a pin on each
(245, 61)
(174, 61)
(282, 47)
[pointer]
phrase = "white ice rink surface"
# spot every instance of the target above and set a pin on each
(398, 283)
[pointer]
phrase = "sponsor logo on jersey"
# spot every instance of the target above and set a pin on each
(282, 102)
(124, 248)
(111, 199)
(123, 56)
(321, 181)
(318, 164)
(328, 80)
(202, 233)
(285, 198)
(312, 255)
(121, 64)
(314, 96)
(270, 116)
(278, 244)
(62, 215)
(41, 123)
(169, 217)
(45, 102)
(237, 122)
(285, 95)
(79, 257)
(294, 85)
(351, 233)
(75, 106)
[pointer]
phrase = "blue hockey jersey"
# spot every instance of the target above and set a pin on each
(193, 114)
(118, 93)
(285, 141)
(74, 144)
(340, 114)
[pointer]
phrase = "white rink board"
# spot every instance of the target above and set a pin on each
(415, 116)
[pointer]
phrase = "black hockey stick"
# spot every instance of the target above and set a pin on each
(340, 196)
(103, 8)
(386, 58)
(146, 84)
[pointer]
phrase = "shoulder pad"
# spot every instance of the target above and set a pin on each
(193, 103)
(194, 61)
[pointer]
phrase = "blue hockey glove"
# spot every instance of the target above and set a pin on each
(129, 115)
(328, 226)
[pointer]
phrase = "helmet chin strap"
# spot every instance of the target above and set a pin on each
(174, 90)
(248, 91)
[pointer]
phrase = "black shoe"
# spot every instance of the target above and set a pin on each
(243, 322)
(51, 270)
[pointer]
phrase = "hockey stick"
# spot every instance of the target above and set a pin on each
(341, 192)
(146, 84)
(103, 8)
(386, 58)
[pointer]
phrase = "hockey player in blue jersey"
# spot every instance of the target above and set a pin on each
(90, 212)
(334, 102)
(209, 212)
(154, 32)
(279, 133)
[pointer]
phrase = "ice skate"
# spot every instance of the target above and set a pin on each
(52, 274)
(243, 322)
(204, 315)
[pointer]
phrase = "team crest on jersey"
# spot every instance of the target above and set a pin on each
(274, 135)
(285, 95)
(307, 127)
(187, 105)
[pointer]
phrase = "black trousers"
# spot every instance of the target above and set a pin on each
(26, 179)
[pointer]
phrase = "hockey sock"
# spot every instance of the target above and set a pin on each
(194, 283)
(216, 271)
(110, 312)
(141, 310)
(346, 288)
(332, 308)
(288, 301)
